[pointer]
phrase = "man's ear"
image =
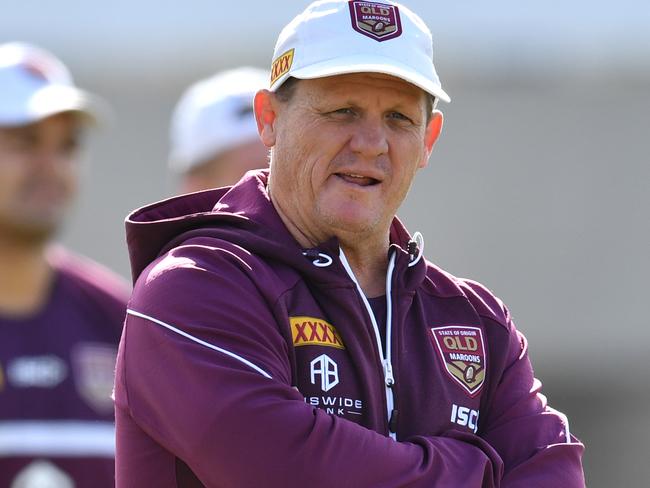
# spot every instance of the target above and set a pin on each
(265, 115)
(433, 130)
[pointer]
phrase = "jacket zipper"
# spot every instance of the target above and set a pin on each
(388, 375)
(389, 378)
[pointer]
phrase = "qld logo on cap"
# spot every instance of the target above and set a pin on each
(375, 20)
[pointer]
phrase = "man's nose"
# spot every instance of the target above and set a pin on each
(50, 160)
(44, 158)
(369, 138)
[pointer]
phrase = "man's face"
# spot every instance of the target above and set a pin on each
(38, 176)
(345, 152)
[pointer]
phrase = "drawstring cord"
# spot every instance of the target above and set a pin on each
(415, 248)
(319, 259)
(416, 244)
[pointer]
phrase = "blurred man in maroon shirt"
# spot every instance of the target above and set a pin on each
(60, 314)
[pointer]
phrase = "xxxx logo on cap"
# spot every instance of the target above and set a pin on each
(375, 20)
(462, 352)
(281, 65)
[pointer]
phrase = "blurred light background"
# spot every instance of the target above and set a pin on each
(539, 186)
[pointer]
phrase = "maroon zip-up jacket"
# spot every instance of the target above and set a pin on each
(247, 361)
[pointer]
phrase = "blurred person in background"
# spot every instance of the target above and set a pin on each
(60, 314)
(213, 133)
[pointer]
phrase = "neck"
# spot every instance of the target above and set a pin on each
(25, 278)
(369, 264)
(366, 254)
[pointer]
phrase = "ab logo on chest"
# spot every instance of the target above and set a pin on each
(328, 371)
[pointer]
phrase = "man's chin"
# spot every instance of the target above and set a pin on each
(29, 233)
(353, 223)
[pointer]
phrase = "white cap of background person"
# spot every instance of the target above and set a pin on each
(334, 37)
(34, 84)
(213, 116)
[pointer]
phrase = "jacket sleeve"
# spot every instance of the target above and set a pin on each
(204, 370)
(532, 439)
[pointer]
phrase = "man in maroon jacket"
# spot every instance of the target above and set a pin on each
(60, 315)
(289, 332)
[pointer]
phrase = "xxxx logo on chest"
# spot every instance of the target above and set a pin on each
(462, 351)
(310, 331)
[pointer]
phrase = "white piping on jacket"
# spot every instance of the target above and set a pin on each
(64, 438)
(389, 379)
(199, 341)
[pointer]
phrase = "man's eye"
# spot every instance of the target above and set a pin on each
(70, 146)
(344, 111)
(398, 116)
(21, 143)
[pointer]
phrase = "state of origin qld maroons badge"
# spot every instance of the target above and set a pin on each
(462, 352)
(375, 20)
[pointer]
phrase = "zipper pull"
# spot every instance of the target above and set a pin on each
(388, 373)
(392, 423)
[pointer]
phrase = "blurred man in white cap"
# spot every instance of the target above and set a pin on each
(213, 134)
(288, 331)
(60, 314)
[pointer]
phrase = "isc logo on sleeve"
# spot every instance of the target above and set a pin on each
(465, 416)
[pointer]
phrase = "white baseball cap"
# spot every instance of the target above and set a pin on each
(34, 84)
(333, 37)
(214, 115)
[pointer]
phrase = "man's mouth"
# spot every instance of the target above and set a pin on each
(358, 179)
